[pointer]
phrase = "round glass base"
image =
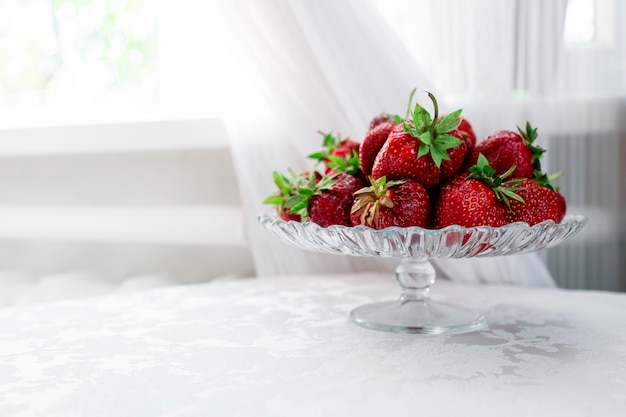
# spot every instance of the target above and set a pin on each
(417, 316)
(415, 312)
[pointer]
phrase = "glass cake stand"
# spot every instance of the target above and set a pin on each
(414, 311)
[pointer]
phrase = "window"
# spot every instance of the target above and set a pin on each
(77, 54)
(579, 21)
(590, 24)
(101, 61)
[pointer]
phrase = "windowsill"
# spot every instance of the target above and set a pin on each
(179, 225)
(41, 117)
(90, 136)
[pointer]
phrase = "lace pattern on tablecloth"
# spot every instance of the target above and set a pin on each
(271, 346)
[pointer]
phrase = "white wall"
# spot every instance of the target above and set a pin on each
(117, 202)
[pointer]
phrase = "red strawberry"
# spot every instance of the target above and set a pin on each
(405, 156)
(395, 203)
(381, 118)
(420, 149)
(504, 149)
(476, 200)
(372, 143)
(468, 135)
(345, 148)
(333, 206)
(324, 200)
(287, 196)
(338, 155)
(468, 203)
(286, 216)
(541, 202)
(449, 167)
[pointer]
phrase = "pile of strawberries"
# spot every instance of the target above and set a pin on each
(422, 170)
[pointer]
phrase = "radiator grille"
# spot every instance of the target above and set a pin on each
(593, 185)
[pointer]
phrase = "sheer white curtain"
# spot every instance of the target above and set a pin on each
(490, 57)
(292, 68)
(506, 62)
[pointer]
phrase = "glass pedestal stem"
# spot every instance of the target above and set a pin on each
(414, 311)
(415, 278)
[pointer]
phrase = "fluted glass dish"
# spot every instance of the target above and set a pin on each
(414, 311)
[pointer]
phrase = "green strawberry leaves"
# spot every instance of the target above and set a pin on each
(482, 171)
(348, 165)
(450, 121)
(530, 135)
(283, 183)
(329, 143)
(368, 200)
(543, 179)
(433, 133)
(421, 118)
(294, 193)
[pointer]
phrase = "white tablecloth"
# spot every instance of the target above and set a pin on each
(285, 347)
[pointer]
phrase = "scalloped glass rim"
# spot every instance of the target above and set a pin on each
(418, 243)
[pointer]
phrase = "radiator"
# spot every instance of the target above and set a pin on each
(593, 184)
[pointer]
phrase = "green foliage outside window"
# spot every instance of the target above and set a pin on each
(101, 50)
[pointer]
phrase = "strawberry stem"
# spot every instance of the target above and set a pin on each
(410, 104)
(435, 109)
(368, 200)
(434, 136)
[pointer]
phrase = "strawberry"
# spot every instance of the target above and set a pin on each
(381, 118)
(338, 155)
(325, 200)
(506, 148)
(541, 202)
(287, 196)
(469, 137)
(449, 167)
(420, 149)
(344, 165)
(401, 203)
(333, 206)
(476, 200)
(372, 143)
(400, 158)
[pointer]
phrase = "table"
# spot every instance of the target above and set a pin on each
(285, 347)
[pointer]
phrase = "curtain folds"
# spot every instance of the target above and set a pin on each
(314, 69)
(295, 68)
